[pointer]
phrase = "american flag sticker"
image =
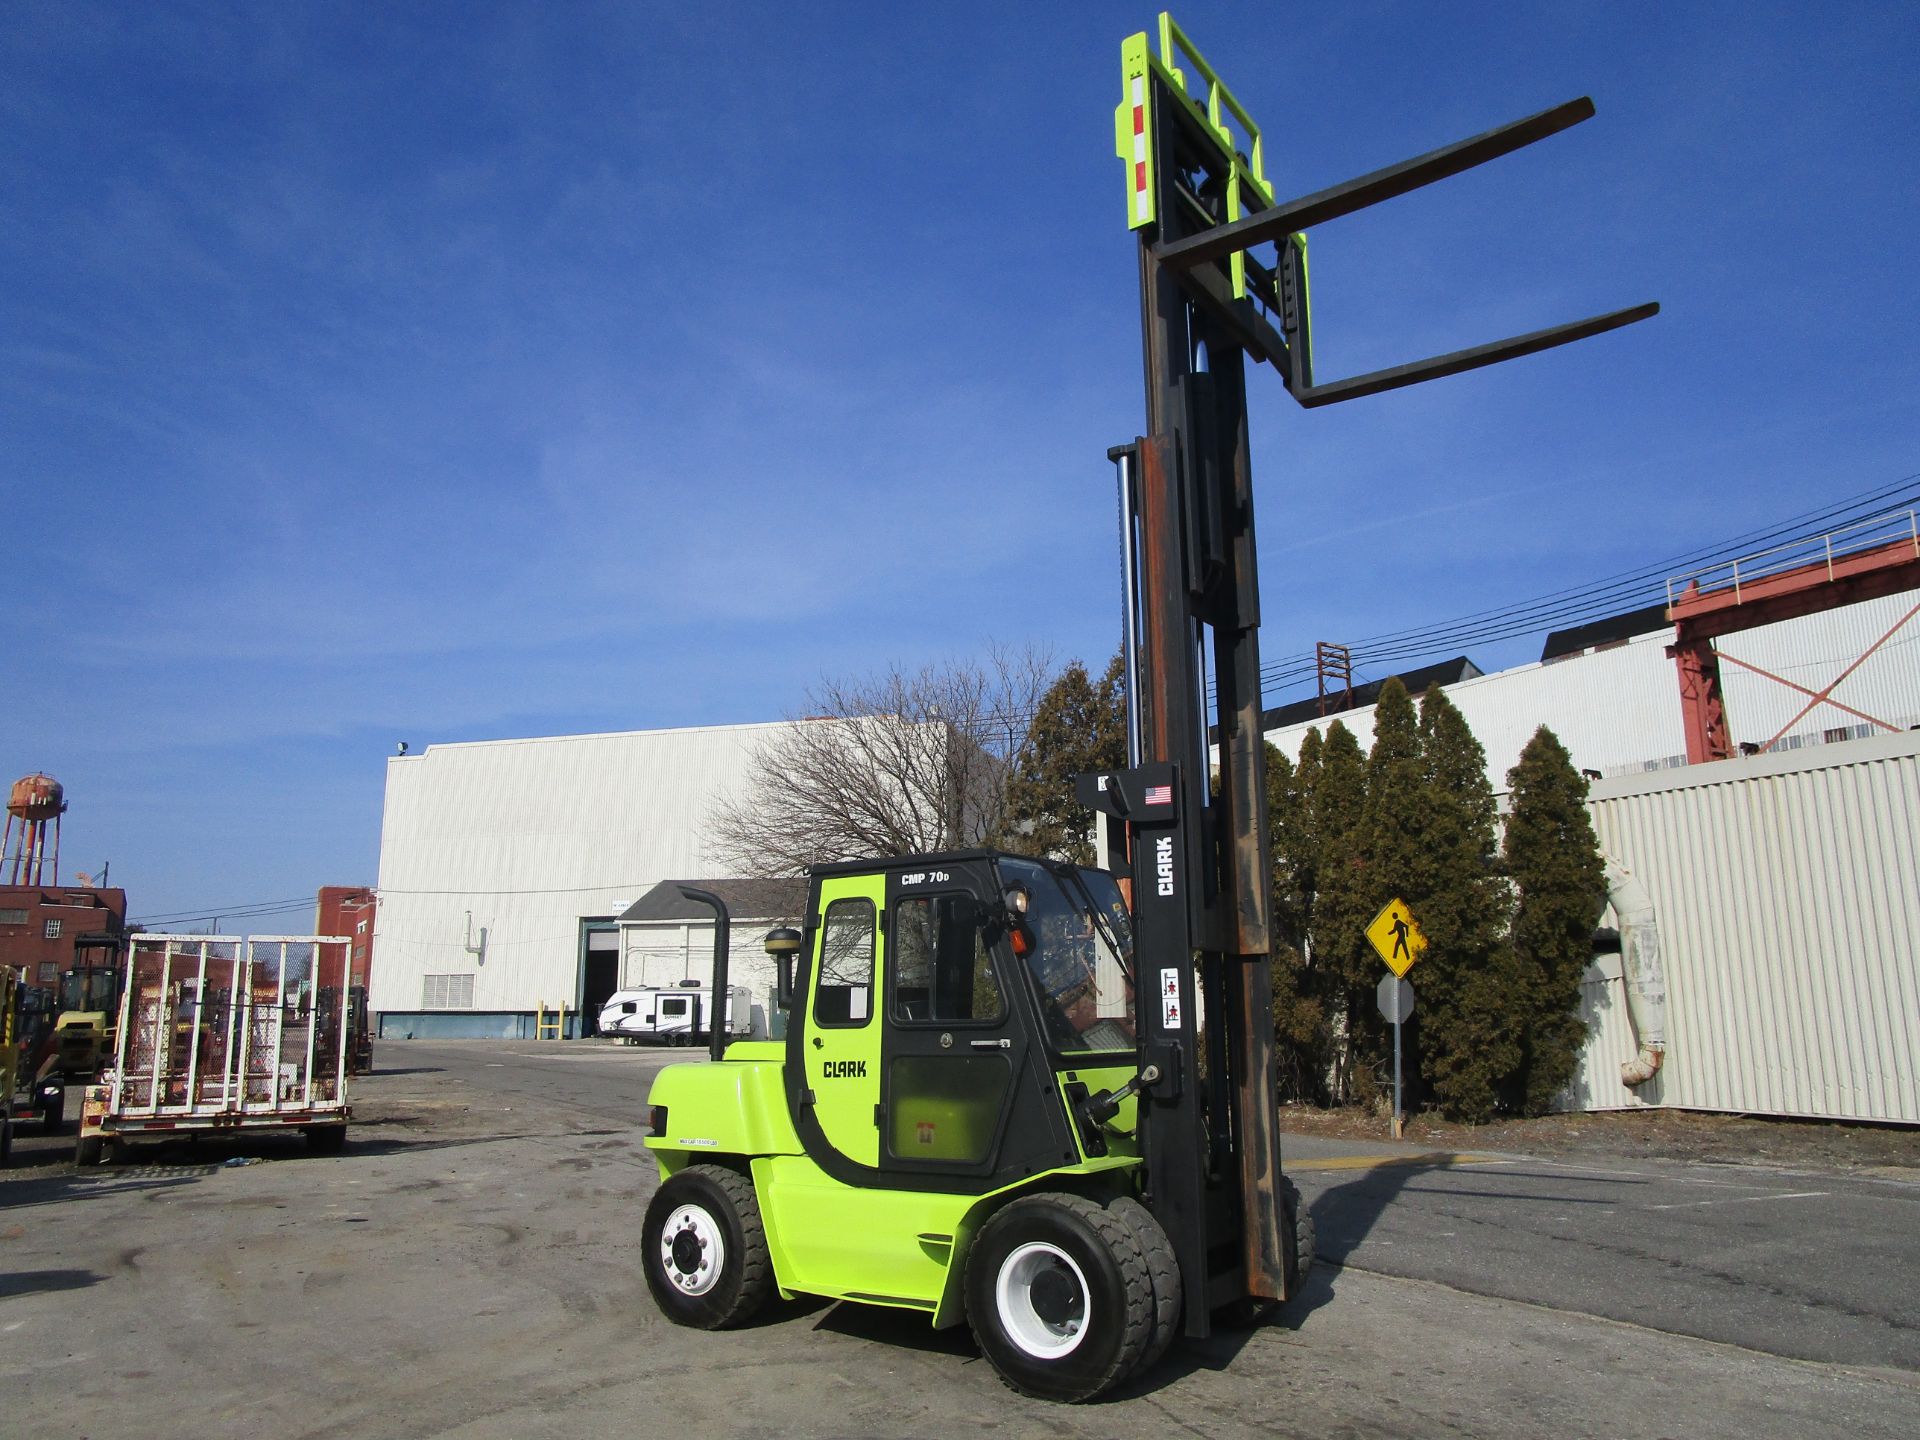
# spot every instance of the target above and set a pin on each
(1160, 795)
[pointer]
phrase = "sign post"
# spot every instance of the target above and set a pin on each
(1397, 938)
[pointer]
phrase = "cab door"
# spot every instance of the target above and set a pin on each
(840, 1084)
(961, 1096)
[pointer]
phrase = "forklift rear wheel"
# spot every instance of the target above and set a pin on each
(705, 1248)
(1163, 1269)
(54, 1111)
(1059, 1296)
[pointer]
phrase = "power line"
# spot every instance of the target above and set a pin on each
(1610, 596)
(246, 907)
(1822, 520)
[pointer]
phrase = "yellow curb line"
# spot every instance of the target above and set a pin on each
(1375, 1162)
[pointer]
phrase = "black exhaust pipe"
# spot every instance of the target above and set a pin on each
(717, 1041)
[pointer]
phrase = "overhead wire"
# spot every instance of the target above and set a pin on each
(1610, 596)
(1621, 593)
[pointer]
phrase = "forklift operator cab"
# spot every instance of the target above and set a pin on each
(937, 994)
(940, 1130)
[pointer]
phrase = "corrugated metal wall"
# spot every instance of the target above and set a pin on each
(1787, 894)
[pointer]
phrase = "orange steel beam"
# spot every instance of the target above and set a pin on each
(1803, 590)
(1701, 615)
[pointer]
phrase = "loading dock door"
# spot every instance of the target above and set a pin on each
(599, 970)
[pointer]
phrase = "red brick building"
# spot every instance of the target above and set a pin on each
(348, 910)
(38, 924)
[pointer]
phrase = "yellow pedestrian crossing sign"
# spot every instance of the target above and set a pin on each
(1396, 935)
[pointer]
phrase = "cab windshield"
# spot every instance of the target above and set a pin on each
(86, 990)
(1081, 961)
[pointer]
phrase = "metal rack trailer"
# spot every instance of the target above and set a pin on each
(222, 1033)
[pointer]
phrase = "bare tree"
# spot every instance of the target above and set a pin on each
(895, 764)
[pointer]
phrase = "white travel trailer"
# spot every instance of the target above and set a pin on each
(675, 1015)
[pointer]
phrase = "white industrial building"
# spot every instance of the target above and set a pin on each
(505, 866)
(1615, 704)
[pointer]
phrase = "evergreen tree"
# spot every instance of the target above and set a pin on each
(1077, 728)
(1290, 834)
(1469, 993)
(1392, 850)
(1299, 1013)
(1337, 922)
(1559, 880)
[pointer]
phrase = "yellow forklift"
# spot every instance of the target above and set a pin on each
(1035, 1098)
(79, 1042)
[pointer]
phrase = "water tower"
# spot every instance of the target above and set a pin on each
(34, 802)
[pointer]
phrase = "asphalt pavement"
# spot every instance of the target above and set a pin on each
(467, 1268)
(1809, 1266)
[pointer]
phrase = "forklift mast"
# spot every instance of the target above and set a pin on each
(1223, 278)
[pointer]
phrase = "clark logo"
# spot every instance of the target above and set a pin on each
(845, 1069)
(1163, 863)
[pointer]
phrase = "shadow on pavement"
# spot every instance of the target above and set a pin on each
(56, 1189)
(910, 1330)
(900, 1329)
(38, 1282)
(1345, 1214)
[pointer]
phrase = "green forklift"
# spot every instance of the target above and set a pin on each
(1030, 1097)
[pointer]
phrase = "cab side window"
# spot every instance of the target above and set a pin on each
(843, 994)
(942, 971)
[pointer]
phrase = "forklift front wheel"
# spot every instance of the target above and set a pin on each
(1059, 1297)
(1163, 1269)
(704, 1248)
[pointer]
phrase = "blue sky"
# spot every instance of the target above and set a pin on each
(451, 371)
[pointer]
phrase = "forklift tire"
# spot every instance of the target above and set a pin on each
(6, 1141)
(1059, 1297)
(90, 1150)
(53, 1114)
(1163, 1269)
(704, 1249)
(1299, 1229)
(1297, 1235)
